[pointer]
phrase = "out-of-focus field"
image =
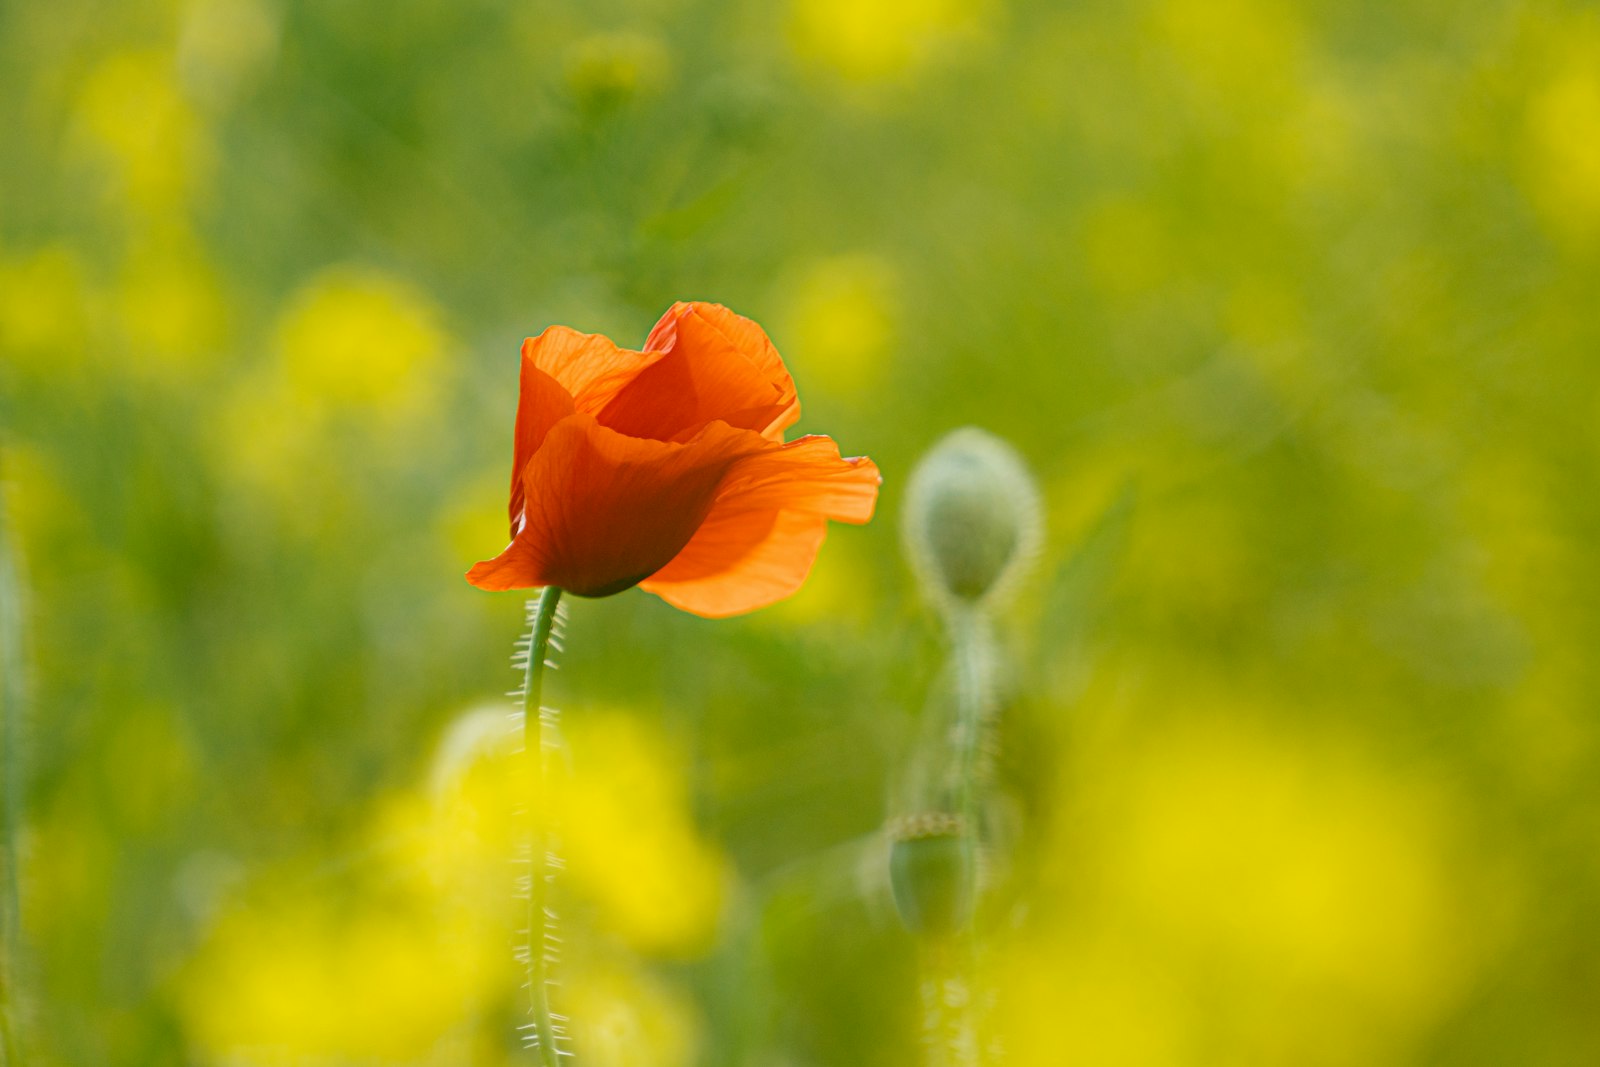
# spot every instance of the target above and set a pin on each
(1290, 306)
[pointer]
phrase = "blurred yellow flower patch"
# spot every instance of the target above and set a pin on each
(171, 307)
(133, 119)
(323, 980)
(624, 1018)
(1232, 51)
(407, 951)
(868, 41)
(1223, 892)
(44, 310)
(391, 957)
(356, 339)
(359, 357)
(1563, 135)
(837, 323)
(629, 842)
(1088, 1000)
(630, 837)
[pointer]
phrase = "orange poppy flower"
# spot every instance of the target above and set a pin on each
(667, 469)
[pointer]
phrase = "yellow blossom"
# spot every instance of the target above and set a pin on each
(354, 338)
(838, 323)
(630, 839)
(44, 310)
(1563, 136)
(134, 120)
(1230, 893)
(877, 40)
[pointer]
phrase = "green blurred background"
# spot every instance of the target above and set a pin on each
(1291, 307)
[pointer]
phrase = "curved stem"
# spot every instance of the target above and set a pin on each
(541, 741)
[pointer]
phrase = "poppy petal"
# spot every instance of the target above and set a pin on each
(714, 365)
(515, 568)
(588, 365)
(543, 403)
(762, 534)
(588, 368)
(604, 510)
(751, 341)
(750, 560)
(807, 474)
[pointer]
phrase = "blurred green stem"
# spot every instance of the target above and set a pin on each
(11, 771)
(950, 1035)
(542, 863)
(969, 646)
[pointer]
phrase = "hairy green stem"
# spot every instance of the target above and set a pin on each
(541, 740)
(11, 794)
(974, 701)
(951, 1015)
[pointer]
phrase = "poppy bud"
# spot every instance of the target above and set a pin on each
(932, 872)
(971, 516)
